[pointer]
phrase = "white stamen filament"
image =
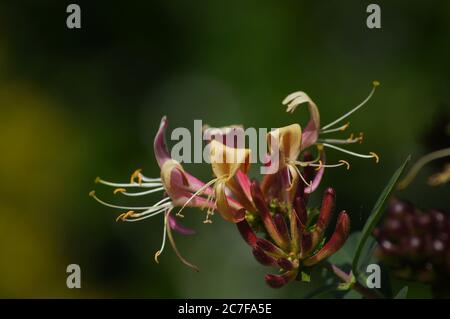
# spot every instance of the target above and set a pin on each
(159, 252)
(375, 84)
(143, 193)
(301, 176)
(371, 155)
(341, 163)
(148, 214)
(197, 193)
(98, 180)
(339, 141)
(92, 194)
(341, 128)
(165, 199)
(149, 179)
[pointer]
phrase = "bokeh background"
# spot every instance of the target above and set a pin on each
(76, 104)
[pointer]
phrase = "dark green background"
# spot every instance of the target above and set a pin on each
(75, 104)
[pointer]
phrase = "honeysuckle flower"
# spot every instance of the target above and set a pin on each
(313, 130)
(230, 165)
(180, 188)
(295, 241)
(286, 142)
(294, 235)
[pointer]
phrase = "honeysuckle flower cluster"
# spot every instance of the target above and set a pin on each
(272, 214)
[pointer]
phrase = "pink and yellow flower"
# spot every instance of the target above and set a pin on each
(290, 236)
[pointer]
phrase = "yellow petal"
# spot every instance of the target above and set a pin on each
(225, 161)
(226, 211)
(286, 140)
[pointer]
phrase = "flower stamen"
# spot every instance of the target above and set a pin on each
(320, 165)
(371, 154)
(159, 252)
(92, 194)
(174, 247)
(197, 193)
(136, 174)
(132, 184)
(119, 190)
(124, 216)
(149, 213)
(351, 140)
(124, 191)
(341, 128)
(375, 84)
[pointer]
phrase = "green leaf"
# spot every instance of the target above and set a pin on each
(352, 294)
(375, 216)
(402, 293)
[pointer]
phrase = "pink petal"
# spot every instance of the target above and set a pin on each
(159, 145)
(318, 177)
(175, 225)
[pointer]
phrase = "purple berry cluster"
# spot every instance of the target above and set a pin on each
(415, 244)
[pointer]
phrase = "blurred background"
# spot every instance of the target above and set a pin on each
(76, 104)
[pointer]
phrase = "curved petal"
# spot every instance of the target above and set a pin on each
(311, 132)
(175, 225)
(318, 176)
(286, 140)
(228, 212)
(231, 136)
(159, 144)
(225, 161)
(310, 135)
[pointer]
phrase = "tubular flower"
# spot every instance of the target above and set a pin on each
(226, 163)
(287, 143)
(180, 189)
(313, 130)
(294, 237)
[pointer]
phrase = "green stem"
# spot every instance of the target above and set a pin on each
(421, 163)
(347, 278)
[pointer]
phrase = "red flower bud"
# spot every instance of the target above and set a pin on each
(285, 264)
(263, 258)
(261, 205)
(300, 210)
(326, 210)
(269, 247)
(282, 228)
(246, 232)
(336, 241)
(278, 281)
(306, 242)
